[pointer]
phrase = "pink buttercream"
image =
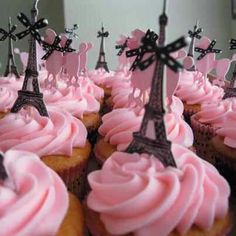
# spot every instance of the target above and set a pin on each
(33, 199)
(118, 127)
(216, 113)
(135, 193)
(56, 135)
(194, 88)
(228, 129)
(72, 100)
(7, 98)
(99, 76)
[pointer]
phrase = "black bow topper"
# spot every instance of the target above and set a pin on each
(102, 33)
(122, 47)
(210, 49)
(67, 47)
(71, 32)
(195, 33)
(149, 38)
(3, 173)
(31, 29)
(50, 48)
(232, 44)
(8, 34)
(163, 54)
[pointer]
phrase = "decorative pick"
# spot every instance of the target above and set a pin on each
(151, 37)
(11, 65)
(209, 49)
(30, 94)
(231, 90)
(101, 63)
(67, 47)
(122, 47)
(70, 32)
(3, 173)
(50, 48)
(195, 34)
(31, 28)
(152, 138)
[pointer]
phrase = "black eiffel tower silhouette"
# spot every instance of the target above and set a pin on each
(30, 94)
(11, 65)
(195, 34)
(101, 63)
(231, 90)
(158, 145)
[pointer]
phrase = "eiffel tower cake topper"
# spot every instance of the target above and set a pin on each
(195, 34)
(231, 90)
(11, 65)
(101, 63)
(155, 142)
(30, 94)
(3, 173)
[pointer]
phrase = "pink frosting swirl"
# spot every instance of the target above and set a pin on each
(216, 113)
(7, 98)
(33, 199)
(194, 88)
(135, 193)
(57, 135)
(118, 127)
(228, 130)
(72, 100)
(99, 76)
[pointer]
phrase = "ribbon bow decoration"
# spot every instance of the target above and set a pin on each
(195, 33)
(67, 47)
(161, 53)
(149, 38)
(122, 47)
(232, 44)
(50, 48)
(71, 32)
(209, 49)
(102, 34)
(31, 29)
(8, 34)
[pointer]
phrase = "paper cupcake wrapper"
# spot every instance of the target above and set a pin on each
(189, 111)
(226, 167)
(202, 135)
(74, 179)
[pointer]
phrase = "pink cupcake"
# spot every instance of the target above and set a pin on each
(194, 90)
(205, 124)
(34, 200)
(134, 195)
(60, 141)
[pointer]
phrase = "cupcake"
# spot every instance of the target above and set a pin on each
(83, 105)
(205, 124)
(60, 142)
(119, 125)
(34, 200)
(133, 194)
(194, 90)
(224, 148)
